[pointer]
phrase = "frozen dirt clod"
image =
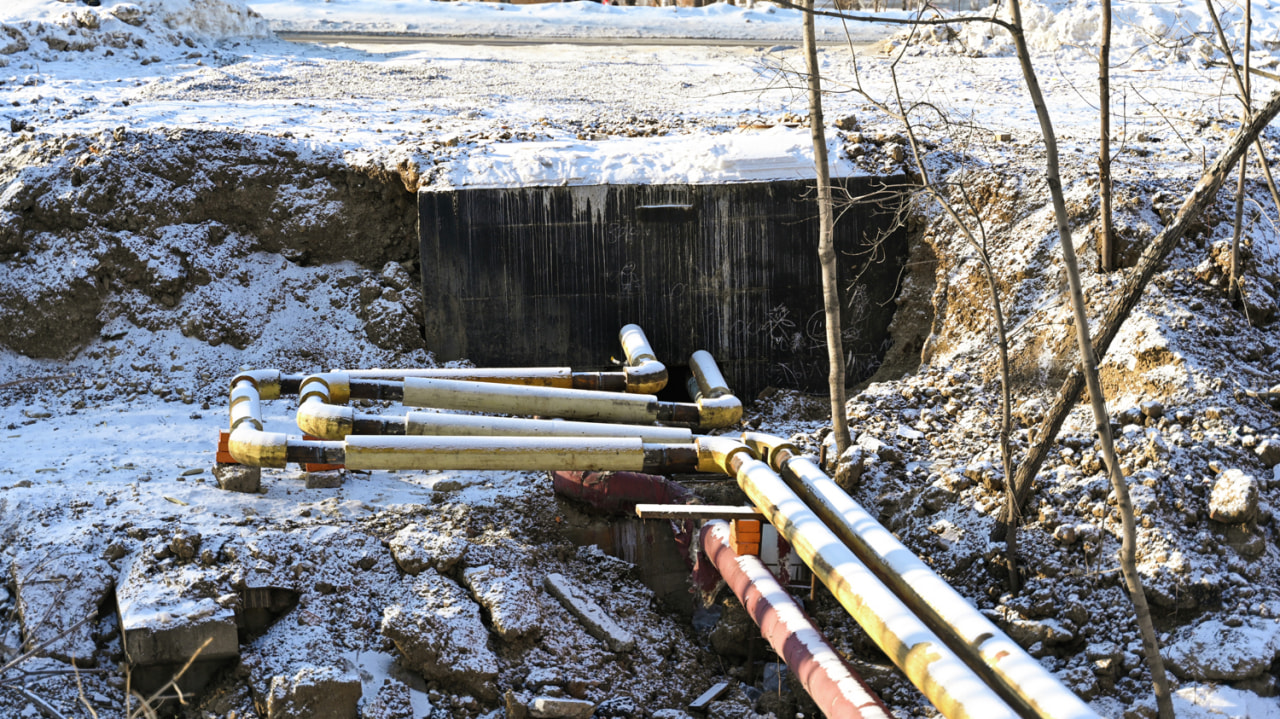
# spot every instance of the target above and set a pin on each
(513, 605)
(313, 693)
(437, 628)
(1224, 650)
(1234, 499)
(416, 548)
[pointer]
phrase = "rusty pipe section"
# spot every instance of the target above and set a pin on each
(839, 692)
(1020, 679)
(952, 687)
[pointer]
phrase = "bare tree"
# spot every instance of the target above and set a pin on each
(826, 240)
(1107, 234)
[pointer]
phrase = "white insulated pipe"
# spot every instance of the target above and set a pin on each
(517, 399)
(931, 596)
(954, 688)
(439, 423)
(533, 376)
(495, 453)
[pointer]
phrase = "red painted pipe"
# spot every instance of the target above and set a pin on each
(837, 690)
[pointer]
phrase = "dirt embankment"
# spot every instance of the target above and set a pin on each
(155, 216)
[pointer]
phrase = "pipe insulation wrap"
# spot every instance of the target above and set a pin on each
(325, 421)
(246, 406)
(932, 597)
(534, 376)
(497, 453)
(838, 691)
(952, 687)
(707, 373)
(517, 399)
(439, 423)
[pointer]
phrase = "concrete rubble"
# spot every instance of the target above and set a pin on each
(511, 602)
(559, 708)
(56, 590)
(415, 549)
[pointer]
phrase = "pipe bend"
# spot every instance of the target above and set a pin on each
(255, 448)
(647, 377)
(721, 411)
(767, 446)
(267, 382)
(716, 453)
(326, 421)
(331, 387)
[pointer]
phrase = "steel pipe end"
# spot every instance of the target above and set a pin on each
(255, 448)
(722, 411)
(716, 453)
(767, 446)
(711, 382)
(325, 421)
(267, 382)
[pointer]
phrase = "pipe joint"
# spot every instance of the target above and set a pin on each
(769, 448)
(647, 377)
(245, 405)
(326, 421)
(255, 448)
(266, 381)
(716, 454)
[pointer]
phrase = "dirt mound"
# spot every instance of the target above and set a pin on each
(142, 221)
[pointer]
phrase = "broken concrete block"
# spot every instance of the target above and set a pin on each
(56, 590)
(1234, 499)
(314, 693)
(416, 549)
(594, 619)
(166, 618)
(1214, 651)
(238, 477)
(437, 628)
(512, 604)
(557, 708)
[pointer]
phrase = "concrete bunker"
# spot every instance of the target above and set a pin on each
(728, 268)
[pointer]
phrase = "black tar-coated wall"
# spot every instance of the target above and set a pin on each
(547, 276)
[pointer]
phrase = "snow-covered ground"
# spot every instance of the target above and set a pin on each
(183, 194)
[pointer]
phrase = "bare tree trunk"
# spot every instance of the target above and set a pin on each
(826, 240)
(1102, 421)
(1107, 238)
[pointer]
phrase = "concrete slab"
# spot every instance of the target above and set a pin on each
(597, 622)
(57, 589)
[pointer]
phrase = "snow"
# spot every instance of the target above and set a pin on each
(98, 443)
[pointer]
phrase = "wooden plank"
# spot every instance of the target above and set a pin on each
(695, 511)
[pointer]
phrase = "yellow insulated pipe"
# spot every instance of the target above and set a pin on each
(515, 399)
(645, 374)
(495, 453)
(952, 687)
(439, 423)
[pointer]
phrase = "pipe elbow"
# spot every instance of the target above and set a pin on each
(716, 412)
(647, 377)
(330, 387)
(715, 454)
(255, 448)
(767, 447)
(325, 421)
(267, 382)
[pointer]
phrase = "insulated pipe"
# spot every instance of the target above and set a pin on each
(716, 404)
(510, 453)
(645, 374)
(439, 423)
(1021, 679)
(952, 687)
(514, 399)
(837, 690)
